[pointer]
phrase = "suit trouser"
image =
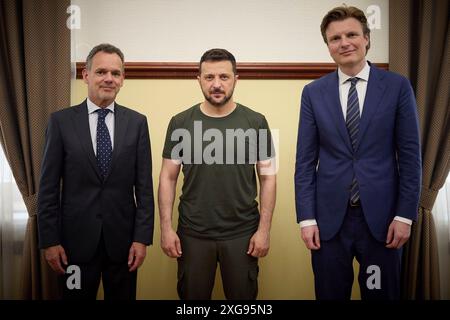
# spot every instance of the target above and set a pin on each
(198, 263)
(118, 282)
(379, 273)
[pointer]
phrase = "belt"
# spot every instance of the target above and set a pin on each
(355, 204)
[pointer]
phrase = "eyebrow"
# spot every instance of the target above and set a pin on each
(219, 74)
(105, 69)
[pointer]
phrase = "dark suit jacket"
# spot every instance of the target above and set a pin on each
(76, 206)
(387, 160)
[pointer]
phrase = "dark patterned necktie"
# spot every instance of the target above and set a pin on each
(104, 147)
(352, 122)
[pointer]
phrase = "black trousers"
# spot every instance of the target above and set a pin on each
(379, 274)
(198, 263)
(118, 282)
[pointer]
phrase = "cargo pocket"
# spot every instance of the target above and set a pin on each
(180, 276)
(253, 282)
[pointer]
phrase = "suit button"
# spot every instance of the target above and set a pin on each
(99, 216)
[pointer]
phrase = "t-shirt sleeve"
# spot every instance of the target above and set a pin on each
(266, 147)
(169, 144)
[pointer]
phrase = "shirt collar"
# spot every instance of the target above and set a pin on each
(363, 74)
(92, 107)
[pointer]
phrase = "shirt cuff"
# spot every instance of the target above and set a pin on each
(308, 222)
(404, 220)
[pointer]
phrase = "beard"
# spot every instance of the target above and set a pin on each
(220, 103)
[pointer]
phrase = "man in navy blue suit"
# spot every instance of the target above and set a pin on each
(358, 166)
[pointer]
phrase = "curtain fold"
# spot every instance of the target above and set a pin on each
(34, 81)
(419, 49)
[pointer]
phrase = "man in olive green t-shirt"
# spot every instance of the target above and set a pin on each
(218, 143)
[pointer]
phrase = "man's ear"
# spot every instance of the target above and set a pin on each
(85, 75)
(123, 78)
(367, 37)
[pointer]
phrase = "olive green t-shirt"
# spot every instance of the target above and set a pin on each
(218, 157)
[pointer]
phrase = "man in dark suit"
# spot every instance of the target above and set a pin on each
(358, 166)
(96, 204)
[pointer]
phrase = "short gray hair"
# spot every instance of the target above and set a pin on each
(103, 47)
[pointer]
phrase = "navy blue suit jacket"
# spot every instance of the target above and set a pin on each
(386, 162)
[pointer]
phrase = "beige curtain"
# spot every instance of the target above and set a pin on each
(34, 81)
(419, 49)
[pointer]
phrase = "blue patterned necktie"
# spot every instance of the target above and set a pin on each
(352, 122)
(104, 147)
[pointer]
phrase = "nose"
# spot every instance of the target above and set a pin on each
(108, 77)
(216, 83)
(344, 41)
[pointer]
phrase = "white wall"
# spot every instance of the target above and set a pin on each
(181, 30)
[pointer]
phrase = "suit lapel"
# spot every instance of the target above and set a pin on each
(331, 94)
(81, 125)
(374, 94)
(120, 129)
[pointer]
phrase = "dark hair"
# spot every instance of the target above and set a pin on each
(342, 13)
(217, 55)
(103, 47)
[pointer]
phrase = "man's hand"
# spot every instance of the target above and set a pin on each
(310, 235)
(170, 243)
(136, 255)
(259, 244)
(54, 256)
(398, 234)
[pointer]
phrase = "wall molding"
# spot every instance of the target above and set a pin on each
(246, 70)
